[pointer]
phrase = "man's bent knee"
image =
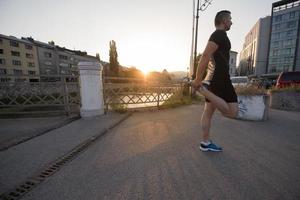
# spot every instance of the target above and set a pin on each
(231, 114)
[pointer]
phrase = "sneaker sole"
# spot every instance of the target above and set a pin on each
(209, 149)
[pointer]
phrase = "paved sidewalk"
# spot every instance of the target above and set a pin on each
(155, 155)
(18, 130)
(23, 160)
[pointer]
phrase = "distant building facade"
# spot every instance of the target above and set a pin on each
(18, 60)
(284, 46)
(253, 57)
(42, 61)
(56, 60)
(232, 63)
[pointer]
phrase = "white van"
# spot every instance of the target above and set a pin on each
(239, 80)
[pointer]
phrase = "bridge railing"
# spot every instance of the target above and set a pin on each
(138, 93)
(48, 93)
(52, 93)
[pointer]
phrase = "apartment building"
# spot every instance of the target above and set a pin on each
(253, 57)
(30, 60)
(18, 60)
(284, 46)
(232, 63)
(55, 61)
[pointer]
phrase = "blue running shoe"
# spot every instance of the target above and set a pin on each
(210, 147)
(205, 85)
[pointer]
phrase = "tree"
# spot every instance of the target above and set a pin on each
(98, 56)
(113, 58)
(51, 42)
(166, 75)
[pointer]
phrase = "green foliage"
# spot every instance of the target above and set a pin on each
(98, 56)
(162, 77)
(249, 90)
(177, 100)
(113, 58)
(292, 88)
(198, 99)
(120, 108)
(131, 72)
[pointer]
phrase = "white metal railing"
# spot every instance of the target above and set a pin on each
(135, 93)
(62, 92)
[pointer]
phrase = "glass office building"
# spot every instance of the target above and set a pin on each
(284, 37)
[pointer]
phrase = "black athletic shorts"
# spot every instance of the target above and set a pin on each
(223, 90)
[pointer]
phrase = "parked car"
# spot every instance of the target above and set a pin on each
(261, 82)
(239, 80)
(288, 78)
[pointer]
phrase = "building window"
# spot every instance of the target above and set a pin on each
(28, 46)
(18, 72)
(288, 51)
(291, 24)
(14, 44)
(290, 33)
(273, 69)
(15, 53)
(288, 42)
(278, 18)
(1, 41)
(292, 15)
(16, 62)
(31, 64)
(63, 57)
(48, 63)
(288, 59)
(3, 71)
(275, 53)
(2, 61)
(277, 27)
(276, 35)
(31, 72)
(275, 44)
(48, 55)
(29, 55)
(4, 80)
(63, 64)
(1, 51)
(274, 60)
(286, 68)
(20, 80)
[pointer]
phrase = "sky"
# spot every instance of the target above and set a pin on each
(149, 34)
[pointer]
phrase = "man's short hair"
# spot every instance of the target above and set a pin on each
(220, 16)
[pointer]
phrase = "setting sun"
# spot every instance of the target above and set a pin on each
(145, 71)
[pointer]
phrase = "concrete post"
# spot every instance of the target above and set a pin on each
(91, 89)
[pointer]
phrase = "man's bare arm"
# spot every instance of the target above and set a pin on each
(210, 48)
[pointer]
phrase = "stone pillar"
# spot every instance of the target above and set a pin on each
(91, 89)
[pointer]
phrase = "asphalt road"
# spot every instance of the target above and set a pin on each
(155, 155)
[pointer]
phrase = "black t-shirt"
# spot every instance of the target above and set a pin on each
(221, 55)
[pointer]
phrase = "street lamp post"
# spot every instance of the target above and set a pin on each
(201, 7)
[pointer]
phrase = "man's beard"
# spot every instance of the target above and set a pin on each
(227, 28)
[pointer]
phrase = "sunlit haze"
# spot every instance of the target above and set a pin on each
(150, 35)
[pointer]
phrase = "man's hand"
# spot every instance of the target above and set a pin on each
(196, 84)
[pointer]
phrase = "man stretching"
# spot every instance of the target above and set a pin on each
(216, 86)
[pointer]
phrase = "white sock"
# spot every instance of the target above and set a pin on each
(205, 143)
